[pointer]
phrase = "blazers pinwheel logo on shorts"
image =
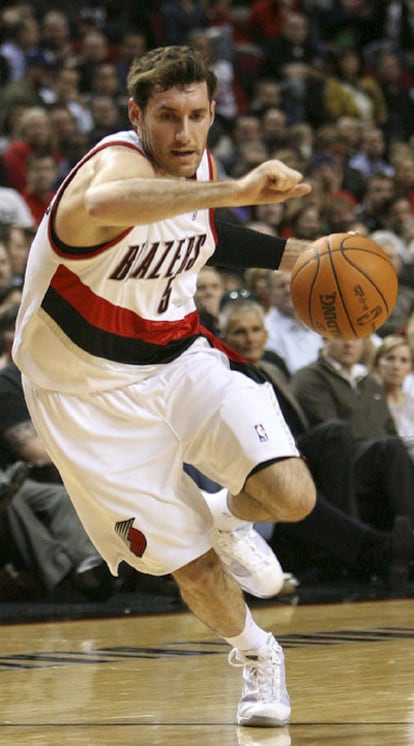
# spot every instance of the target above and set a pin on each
(133, 537)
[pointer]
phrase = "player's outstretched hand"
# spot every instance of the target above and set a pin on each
(272, 181)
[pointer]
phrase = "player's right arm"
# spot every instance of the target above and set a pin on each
(119, 188)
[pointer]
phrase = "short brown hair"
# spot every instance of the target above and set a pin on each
(167, 67)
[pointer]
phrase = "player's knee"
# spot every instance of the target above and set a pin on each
(286, 489)
(301, 503)
(303, 493)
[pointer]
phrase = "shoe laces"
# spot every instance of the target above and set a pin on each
(262, 672)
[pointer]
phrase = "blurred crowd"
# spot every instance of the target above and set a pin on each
(325, 86)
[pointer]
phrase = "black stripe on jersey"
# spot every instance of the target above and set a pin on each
(106, 345)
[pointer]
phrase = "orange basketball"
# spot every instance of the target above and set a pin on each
(344, 285)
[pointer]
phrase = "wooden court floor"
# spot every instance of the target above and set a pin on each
(165, 680)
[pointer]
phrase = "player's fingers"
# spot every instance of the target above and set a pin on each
(282, 177)
(299, 190)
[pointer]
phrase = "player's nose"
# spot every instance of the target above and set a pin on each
(183, 134)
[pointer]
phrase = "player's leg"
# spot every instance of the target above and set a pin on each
(217, 600)
(245, 554)
(280, 491)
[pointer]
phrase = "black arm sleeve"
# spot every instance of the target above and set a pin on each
(242, 247)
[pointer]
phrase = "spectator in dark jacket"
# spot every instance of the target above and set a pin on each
(338, 387)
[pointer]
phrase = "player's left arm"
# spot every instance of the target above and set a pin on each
(238, 246)
(243, 247)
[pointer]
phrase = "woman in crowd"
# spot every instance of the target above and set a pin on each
(393, 362)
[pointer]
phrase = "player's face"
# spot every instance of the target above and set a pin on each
(247, 335)
(174, 128)
(395, 365)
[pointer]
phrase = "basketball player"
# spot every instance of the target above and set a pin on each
(122, 383)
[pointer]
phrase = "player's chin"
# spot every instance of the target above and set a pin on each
(184, 167)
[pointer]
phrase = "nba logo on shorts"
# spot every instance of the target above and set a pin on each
(261, 432)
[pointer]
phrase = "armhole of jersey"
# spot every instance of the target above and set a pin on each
(82, 252)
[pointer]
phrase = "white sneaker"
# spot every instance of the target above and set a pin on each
(265, 701)
(250, 561)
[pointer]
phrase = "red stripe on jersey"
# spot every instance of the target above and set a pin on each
(123, 322)
(218, 344)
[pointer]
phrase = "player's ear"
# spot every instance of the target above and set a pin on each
(212, 111)
(134, 113)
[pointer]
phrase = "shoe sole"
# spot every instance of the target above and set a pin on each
(261, 722)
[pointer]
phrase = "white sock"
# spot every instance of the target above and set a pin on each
(224, 520)
(252, 638)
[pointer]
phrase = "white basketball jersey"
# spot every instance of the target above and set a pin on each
(110, 309)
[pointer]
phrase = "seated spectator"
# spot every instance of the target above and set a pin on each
(19, 37)
(9, 294)
(331, 168)
(271, 214)
(41, 175)
(133, 44)
(338, 387)
(105, 82)
(247, 128)
(36, 87)
(303, 220)
(251, 154)
(372, 157)
(93, 50)
(288, 336)
(378, 193)
(105, 118)
(403, 167)
(398, 217)
(266, 20)
(56, 37)
(331, 526)
(18, 243)
(179, 17)
(41, 535)
(398, 318)
(339, 213)
(210, 289)
(350, 130)
(259, 283)
(18, 438)
(395, 84)
(350, 92)
(275, 128)
(265, 95)
(292, 58)
(33, 134)
(14, 210)
(5, 264)
(66, 92)
(393, 362)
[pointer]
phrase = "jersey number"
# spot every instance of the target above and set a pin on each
(165, 298)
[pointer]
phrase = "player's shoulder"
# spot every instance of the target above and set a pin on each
(120, 158)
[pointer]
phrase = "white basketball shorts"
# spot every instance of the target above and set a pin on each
(120, 454)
